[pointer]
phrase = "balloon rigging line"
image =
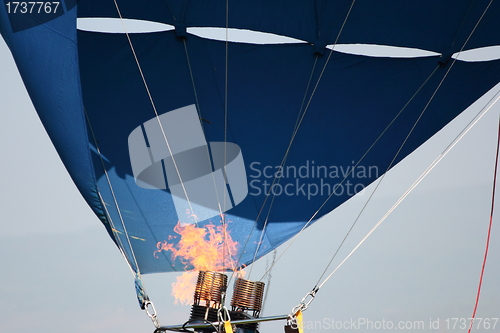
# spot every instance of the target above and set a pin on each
(435, 162)
(198, 109)
(153, 104)
(222, 208)
(379, 182)
(277, 180)
(474, 29)
(226, 90)
(115, 231)
(137, 271)
(297, 126)
(314, 89)
(358, 162)
(223, 216)
(489, 233)
(268, 284)
(420, 178)
(192, 79)
(385, 173)
(274, 181)
(426, 106)
(157, 115)
(328, 59)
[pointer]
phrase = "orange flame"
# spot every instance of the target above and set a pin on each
(208, 248)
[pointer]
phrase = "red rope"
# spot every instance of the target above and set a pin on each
(489, 233)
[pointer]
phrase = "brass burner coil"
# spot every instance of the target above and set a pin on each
(209, 288)
(247, 296)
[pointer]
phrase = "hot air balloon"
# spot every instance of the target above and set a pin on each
(255, 118)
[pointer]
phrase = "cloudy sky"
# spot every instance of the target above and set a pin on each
(60, 271)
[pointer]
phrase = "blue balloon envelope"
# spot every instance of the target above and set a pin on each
(267, 131)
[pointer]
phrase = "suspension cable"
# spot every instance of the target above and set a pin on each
(142, 296)
(357, 163)
(223, 216)
(420, 178)
(115, 201)
(153, 104)
(276, 179)
(198, 108)
(296, 129)
(299, 115)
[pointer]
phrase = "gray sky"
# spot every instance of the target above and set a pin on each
(61, 271)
